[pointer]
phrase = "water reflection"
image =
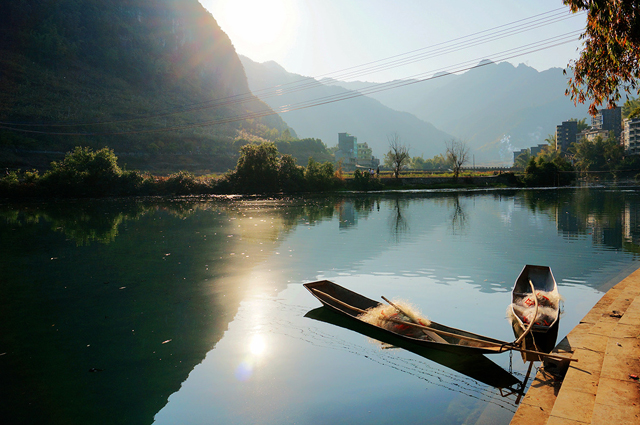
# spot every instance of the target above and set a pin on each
(458, 216)
(108, 306)
(398, 220)
(609, 217)
(476, 367)
(348, 214)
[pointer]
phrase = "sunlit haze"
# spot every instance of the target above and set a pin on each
(315, 38)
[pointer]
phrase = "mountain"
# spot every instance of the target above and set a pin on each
(145, 74)
(495, 108)
(364, 117)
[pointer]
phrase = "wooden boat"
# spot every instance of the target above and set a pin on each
(352, 304)
(540, 335)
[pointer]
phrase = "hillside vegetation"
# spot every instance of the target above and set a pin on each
(141, 77)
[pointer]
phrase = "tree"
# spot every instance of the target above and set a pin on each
(398, 155)
(631, 108)
(610, 59)
(290, 176)
(320, 177)
(457, 155)
(257, 169)
(551, 151)
(597, 155)
(543, 173)
(438, 162)
(522, 160)
(582, 124)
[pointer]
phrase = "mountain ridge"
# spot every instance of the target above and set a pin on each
(361, 116)
(498, 107)
(151, 73)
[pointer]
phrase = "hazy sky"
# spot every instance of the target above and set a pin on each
(321, 37)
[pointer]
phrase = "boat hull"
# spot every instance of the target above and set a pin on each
(334, 296)
(544, 331)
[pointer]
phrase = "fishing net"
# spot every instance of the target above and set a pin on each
(524, 308)
(380, 316)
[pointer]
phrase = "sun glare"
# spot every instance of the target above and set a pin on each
(257, 345)
(257, 25)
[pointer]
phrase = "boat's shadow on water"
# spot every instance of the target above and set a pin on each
(475, 366)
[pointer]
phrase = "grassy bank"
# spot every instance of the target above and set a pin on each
(260, 170)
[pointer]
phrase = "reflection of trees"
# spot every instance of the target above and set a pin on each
(97, 220)
(398, 221)
(83, 222)
(608, 216)
(458, 215)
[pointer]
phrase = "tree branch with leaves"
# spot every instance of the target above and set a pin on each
(398, 155)
(610, 60)
(457, 155)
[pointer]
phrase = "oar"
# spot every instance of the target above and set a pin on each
(500, 346)
(431, 335)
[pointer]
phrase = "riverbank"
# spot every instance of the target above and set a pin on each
(602, 386)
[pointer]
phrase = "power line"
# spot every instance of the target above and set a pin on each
(462, 67)
(475, 39)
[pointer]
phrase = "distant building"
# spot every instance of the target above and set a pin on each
(605, 121)
(565, 135)
(516, 154)
(365, 156)
(591, 134)
(354, 154)
(348, 144)
(608, 120)
(347, 149)
(364, 152)
(631, 136)
(535, 150)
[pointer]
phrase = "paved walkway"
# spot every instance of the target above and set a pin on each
(598, 389)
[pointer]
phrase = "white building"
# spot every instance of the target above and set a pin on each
(631, 136)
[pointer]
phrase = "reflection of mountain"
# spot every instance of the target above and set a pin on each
(82, 344)
(146, 307)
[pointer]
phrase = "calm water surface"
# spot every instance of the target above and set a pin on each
(192, 311)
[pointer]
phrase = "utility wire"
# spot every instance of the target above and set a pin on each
(502, 56)
(506, 30)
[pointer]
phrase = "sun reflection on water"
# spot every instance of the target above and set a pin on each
(257, 349)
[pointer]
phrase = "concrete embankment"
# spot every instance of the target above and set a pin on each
(602, 387)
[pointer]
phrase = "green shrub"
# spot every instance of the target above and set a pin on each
(84, 172)
(320, 177)
(363, 180)
(257, 169)
(540, 172)
(290, 176)
(182, 183)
